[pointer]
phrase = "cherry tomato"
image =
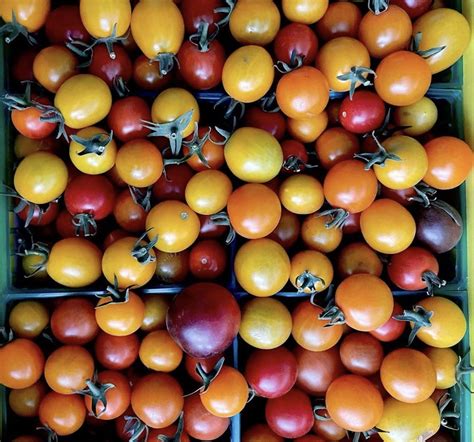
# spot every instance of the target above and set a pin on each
(311, 271)
(271, 373)
(302, 93)
(159, 352)
(172, 268)
(116, 352)
(22, 364)
(307, 130)
(387, 226)
(64, 24)
(354, 403)
(358, 257)
(290, 415)
(262, 267)
(273, 122)
(317, 369)
(310, 332)
(366, 301)
(190, 364)
(74, 262)
(22, 65)
(340, 20)
(64, 414)
(293, 40)
(194, 13)
(28, 121)
(260, 433)
(227, 395)
(304, 11)
(73, 322)
(122, 318)
(420, 117)
(402, 78)
(113, 236)
(335, 145)
(31, 14)
(28, 319)
(317, 237)
(25, 402)
(392, 329)
(328, 428)
(266, 323)
(128, 214)
(105, 19)
(110, 70)
(147, 75)
(287, 231)
(207, 260)
(172, 185)
(24, 146)
(414, 8)
(361, 354)
(68, 368)
(445, 361)
(364, 113)
(301, 194)
(238, 75)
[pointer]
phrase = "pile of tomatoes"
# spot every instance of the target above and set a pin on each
(233, 151)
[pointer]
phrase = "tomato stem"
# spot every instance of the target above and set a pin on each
(222, 219)
(357, 74)
(338, 218)
(97, 392)
(377, 6)
(207, 377)
(14, 29)
(419, 316)
(166, 61)
(269, 104)
(425, 194)
(135, 428)
(231, 107)
(120, 87)
(177, 435)
(116, 295)
(84, 224)
(52, 436)
(432, 280)
(227, 10)
(141, 197)
(379, 157)
(427, 53)
(296, 61)
(448, 415)
(201, 38)
(141, 249)
(307, 280)
(96, 144)
(334, 314)
(320, 407)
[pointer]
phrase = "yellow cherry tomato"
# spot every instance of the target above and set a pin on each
(305, 11)
(28, 319)
(25, 146)
(301, 194)
(311, 271)
(83, 100)
(156, 308)
(420, 117)
(96, 159)
(31, 14)
(100, 17)
(444, 362)
(41, 177)
(248, 73)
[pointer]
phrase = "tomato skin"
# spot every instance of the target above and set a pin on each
(414, 8)
(354, 403)
(28, 319)
(298, 38)
(173, 185)
(340, 20)
(31, 14)
(444, 362)
(307, 130)
(172, 268)
(157, 399)
(128, 214)
(336, 144)
(208, 259)
(392, 329)
(328, 428)
(73, 322)
(287, 231)
(290, 415)
(25, 402)
(358, 257)
(116, 352)
(64, 24)
(202, 70)
(22, 364)
(450, 161)
(64, 414)
(110, 69)
(22, 65)
(301, 194)
(158, 352)
(147, 74)
(420, 117)
(260, 433)
(99, 20)
(304, 11)
(273, 122)
(28, 122)
(317, 369)
(361, 353)
(271, 373)
(196, 12)
(364, 113)
(403, 78)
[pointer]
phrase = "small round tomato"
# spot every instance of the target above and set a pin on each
(334, 145)
(211, 152)
(363, 113)
(147, 74)
(68, 368)
(208, 259)
(273, 122)
(195, 13)
(260, 433)
(328, 428)
(73, 322)
(74, 262)
(449, 162)
(28, 319)
(254, 22)
(402, 78)
(337, 57)
(190, 364)
(408, 375)
(311, 271)
(304, 11)
(418, 118)
(30, 14)
(128, 213)
(454, 36)
(28, 121)
(156, 307)
(253, 155)
(310, 332)
(262, 267)
(41, 177)
(340, 20)
(227, 395)
(365, 300)
(207, 191)
(116, 352)
(361, 353)
(295, 40)
(387, 226)
(392, 329)
(317, 369)
(354, 403)
(287, 231)
(25, 402)
(385, 33)
(172, 268)
(110, 70)
(317, 236)
(22, 364)
(63, 414)
(22, 65)
(307, 130)
(53, 66)
(172, 186)
(445, 361)
(158, 352)
(175, 224)
(358, 257)
(266, 323)
(238, 75)
(120, 318)
(24, 146)
(414, 8)
(106, 19)
(64, 24)
(295, 156)
(301, 194)
(302, 93)
(290, 415)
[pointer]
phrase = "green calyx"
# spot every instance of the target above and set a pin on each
(96, 144)
(15, 29)
(296, 61)
(333, 314)
(141, 197)
(432, 280)
(207, 377)
(415, 47)
(227, 11)
(357, 74)
(37, 249)
(222, 219)
(52, 436)
(449, 412)
(201, 38)
(306, 282)
(419, 316)
(114, 294)
(134, 429)
(176, 436)
(233, 108)
(378, 158)
(377, 6)
(338, 218)
(141, 250)
(425, 194)
(98, 393)
(84, 225)
(166, 61)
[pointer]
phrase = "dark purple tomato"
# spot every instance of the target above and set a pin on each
(207, 259)
(209, 229)
(110, 69)
(126, 116)
(273, 122)
(271, 373)
(392, 329)
(64, 24)
(439, 226)
(401, 196)
(364, 113)
(361, 353)
(172, 268)
(172, 184)
(202, 70)
(195, 319)
(290, 415)
(296, 38)
(414, 8)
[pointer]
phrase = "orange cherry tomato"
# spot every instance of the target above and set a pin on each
(340, 20)
(307, 130)
(311, 271)
(336, 144)
(304, 11)
(301, 194)
(358, 257)
(317, 236)
(64, 414)
(25, 402)
(159, 352)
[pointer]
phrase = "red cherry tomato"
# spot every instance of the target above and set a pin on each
(172, 184)
(116, 352)
(110, 69)
(295, 39)
(64, 24)
(208, 259)
(273, 122)
(195, 12)
(364, 113)
(295, 156)
(392, 329)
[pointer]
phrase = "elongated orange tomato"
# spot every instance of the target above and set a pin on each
(31, 14)
(105, 17)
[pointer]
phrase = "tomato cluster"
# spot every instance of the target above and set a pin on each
(323, 162)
